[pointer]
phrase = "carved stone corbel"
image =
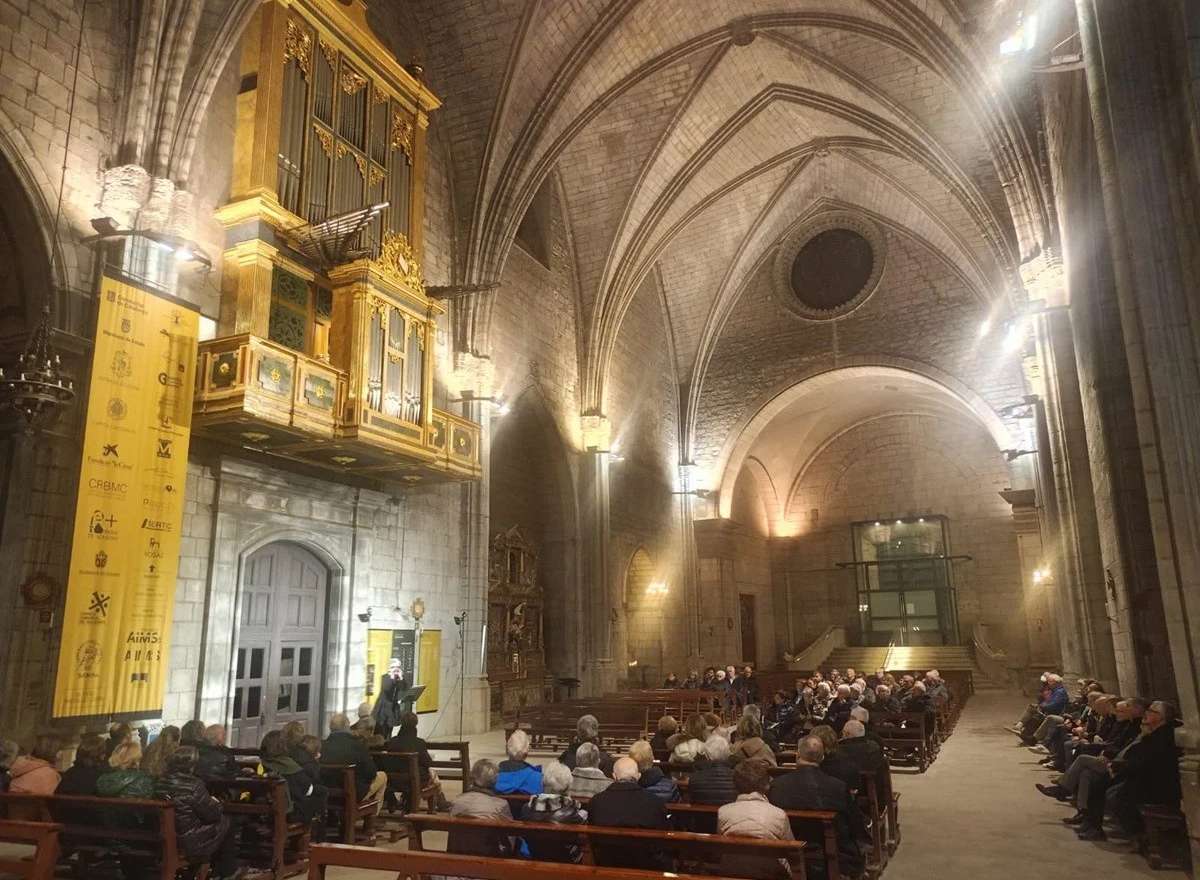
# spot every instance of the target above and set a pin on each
(470, 315)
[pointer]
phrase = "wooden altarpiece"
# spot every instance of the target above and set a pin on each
(516, 659)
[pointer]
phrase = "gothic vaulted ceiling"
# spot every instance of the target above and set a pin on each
(690, 135)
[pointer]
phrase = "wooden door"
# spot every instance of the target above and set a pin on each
(281, 637)
(749, 629)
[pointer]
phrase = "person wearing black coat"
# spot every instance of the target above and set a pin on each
(202, 831)
(711, 780)
(1150, 774)
(307, 800)
(854, 756)
(808, 788)
(587, 729)
(216, 759)
(344, 747)
(625, 804)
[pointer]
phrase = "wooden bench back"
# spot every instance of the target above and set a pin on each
(684, 844)
(42, 836)
(405, 863)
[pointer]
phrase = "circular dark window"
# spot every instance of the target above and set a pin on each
(832, 268)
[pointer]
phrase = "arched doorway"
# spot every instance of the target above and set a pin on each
(280, 642)
(644, 597)
(25, 271)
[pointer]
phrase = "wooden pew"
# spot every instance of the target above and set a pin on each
(42, 836)
(907, 736)
(424, 864)
(458, 767)
(284, 849)
(344, 802)
(689, 846)
(143, 829)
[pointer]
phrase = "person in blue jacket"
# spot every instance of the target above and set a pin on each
(1054, 702)
(516, 775)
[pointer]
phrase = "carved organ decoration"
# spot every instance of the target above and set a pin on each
(516, 663)
(345, 141)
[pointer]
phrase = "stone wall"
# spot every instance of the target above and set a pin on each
(896, 466)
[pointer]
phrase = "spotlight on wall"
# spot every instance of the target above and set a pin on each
(1040, 575)
(1014, 454)
(656, 589)
(1014, 338)
(985, 327)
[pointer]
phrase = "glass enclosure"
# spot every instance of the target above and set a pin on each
(905, 582)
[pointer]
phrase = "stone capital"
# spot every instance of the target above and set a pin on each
(470, 315)
(596, 431)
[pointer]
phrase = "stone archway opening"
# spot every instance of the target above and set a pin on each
(644, 601)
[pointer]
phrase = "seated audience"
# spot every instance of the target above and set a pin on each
(936, 688)
(671, 682)
(406, 740)
(309, 760)
(692, 682)
(1076, 781)
(652, 778)
(838, 711)
(365, 725)
(118, 732)
(711, 782)
(750, 745)
(822, 697)
(154, 758)
(587, 778)
(587, 730)
(807, 788)
(90, 763)
(709, 682)
(216, 760)
(554, 805)
(342, 746)
(517, 776)
(480, 802)
(687, 745)
(9, 751)
(752, 815)
(854, 756)
(917, 699)
(667, 728)
(307, 800)
(202, 831)
(125, 778)
(35, 773)
(885, 702)
(625, 804)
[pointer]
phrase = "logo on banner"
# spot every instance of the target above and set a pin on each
(87, 658)
(164, 447)
(122, 366)
(111, 450)
(101, 559)
(117, 409)
(99, 604)
(108, 487)
(102, 524)
(154, 549)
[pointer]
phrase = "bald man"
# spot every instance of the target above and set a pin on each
(626, 804)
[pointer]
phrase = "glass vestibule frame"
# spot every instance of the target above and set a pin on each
(905, 581)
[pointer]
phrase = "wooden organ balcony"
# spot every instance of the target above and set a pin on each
(325, 348)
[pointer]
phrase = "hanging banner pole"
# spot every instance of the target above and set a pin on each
(129, 506)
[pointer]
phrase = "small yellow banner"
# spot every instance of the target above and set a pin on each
(429, 669)
(129, 506)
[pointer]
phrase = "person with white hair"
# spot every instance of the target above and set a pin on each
(652, 778)
(885, 701)
(838, 712)
(937, 689)
(625, 804)
(342, 746)
(712, 780)
(587, 779)
(855, 755)
(554, 805)
(1053, 701)
(587, 730)
(517, 776)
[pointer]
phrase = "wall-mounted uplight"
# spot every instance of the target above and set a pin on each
(500, 406)
(656, 589)
(1040, 575)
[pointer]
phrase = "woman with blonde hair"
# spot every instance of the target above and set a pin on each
(750, 745)
(154, 759)
(125, 779)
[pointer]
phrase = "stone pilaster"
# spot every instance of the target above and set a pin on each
(601, 612)
(1146, 140)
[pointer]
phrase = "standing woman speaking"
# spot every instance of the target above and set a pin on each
(388, 707)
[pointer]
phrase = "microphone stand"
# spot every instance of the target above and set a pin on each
(461, 621)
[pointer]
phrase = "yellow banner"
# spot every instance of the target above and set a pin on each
(129, 506)
(429, 669)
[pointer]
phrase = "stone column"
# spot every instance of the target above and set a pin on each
(1142, 113)
(1076, 547)
(1041, 626)
(600, 609)
(475, 381)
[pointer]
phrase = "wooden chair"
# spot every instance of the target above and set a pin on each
(344, 802)
(42, 836)
(688, 847)
(279, 846)
(458, 767)
(139, 831)
(424, 864)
